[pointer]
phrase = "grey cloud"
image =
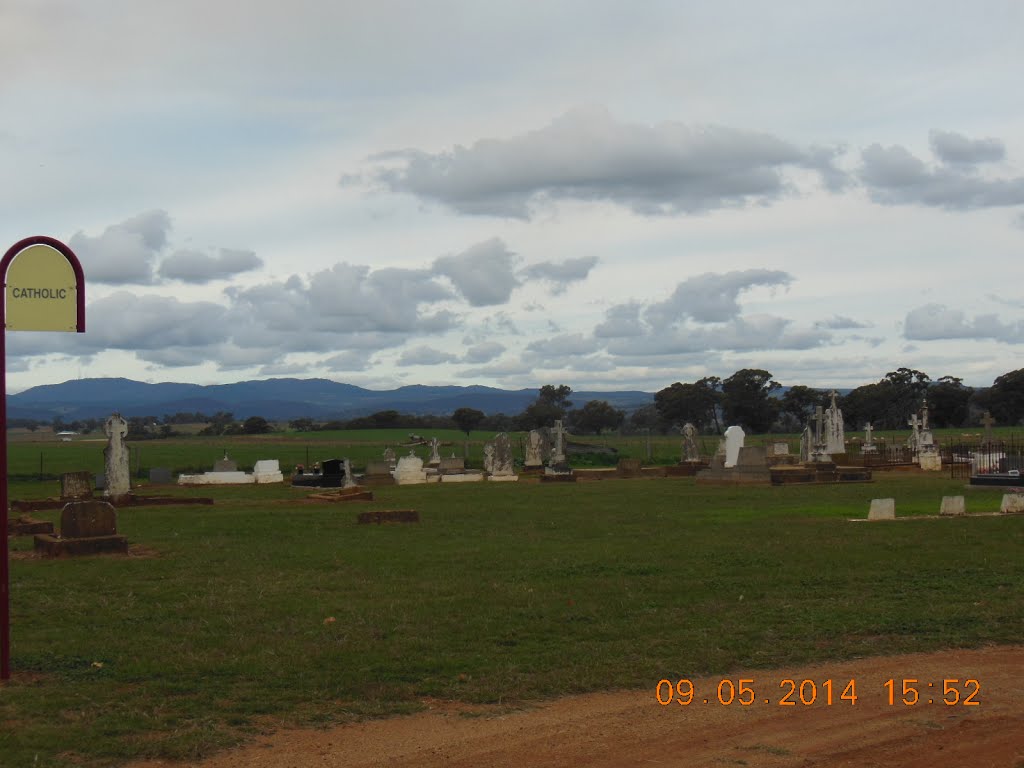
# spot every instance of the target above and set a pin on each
(893, 176)
(285, 369)
(622, 320)
(955, 149)
(127, 321)
(350, 360)
(500, 369)
(935, 321)
(565, 345)
(483, 273)
(586, 154)
(840, 323)
(560, 275)
(711, 298)
(125, 252)
(425, 356)
(483, 352)
(197, 267)
(758, 332)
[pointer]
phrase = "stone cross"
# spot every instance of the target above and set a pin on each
(435, 451)
(868, 429)
(988, 422)
(558, 454)
(924, 414)
(115, 456)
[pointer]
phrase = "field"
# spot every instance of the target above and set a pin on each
(266, 610)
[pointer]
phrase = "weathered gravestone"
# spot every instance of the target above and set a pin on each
(160, 476)
(410, 470)
(86, 527)
(268, 471)
(1013, 503)
(76, 485)
(116, 459)
(452, 465)
(629, 468)
(952, 505)
(534, 450)
(502, 466)
(734, 437)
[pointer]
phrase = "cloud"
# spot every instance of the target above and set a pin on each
(622, 320)
(483, 352)
(893, 176)
(564, 345)
(425, 356)
(840, 323)
(197, 267)
(955, 149)
(711, 298)
(124, 254)
(741, 334)
(586, 154)
(483, 273)
(349, 360)
(562, 274)
(935, 321)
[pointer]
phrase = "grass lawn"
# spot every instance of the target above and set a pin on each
(503, 593)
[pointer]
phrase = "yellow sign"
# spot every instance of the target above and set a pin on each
(42, 294)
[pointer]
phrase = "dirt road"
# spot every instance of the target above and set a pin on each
(630, 728)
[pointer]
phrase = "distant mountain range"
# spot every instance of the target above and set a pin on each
(276, 399)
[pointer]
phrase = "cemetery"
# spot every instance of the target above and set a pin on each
(519, 550)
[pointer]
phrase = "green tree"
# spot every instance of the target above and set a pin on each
(1005, 398)
(302, 425)
(696, 403)
(949, 402)
(468, 419)
(255, 425)
(797, 405)
(551, 404)
(596, 415)
(746, 399)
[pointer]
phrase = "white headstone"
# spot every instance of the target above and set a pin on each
(267, 471)
(834, 429)
(734, 437)
(410, 471)
(1012, 502)
(952, 505)
(882, 509)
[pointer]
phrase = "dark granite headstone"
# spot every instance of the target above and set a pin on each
(101, 482)
(87, 519)
(160, 475)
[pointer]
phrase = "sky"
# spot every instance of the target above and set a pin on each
(608, 195)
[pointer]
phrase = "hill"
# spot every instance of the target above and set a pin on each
(276, 399)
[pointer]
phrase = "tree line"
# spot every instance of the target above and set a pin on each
(749, 397)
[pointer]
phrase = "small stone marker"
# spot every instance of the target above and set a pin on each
(882, 509)
(1012, 502)
(86, 527)
(629, 468)
(389, 516)
(268, 471)
(952, 505)
(76, 485)
(160, 476)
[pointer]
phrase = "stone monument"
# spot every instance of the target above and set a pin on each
(834, 429)
(690, 451)
(558, 451)
(534, 450)
(435, 452)
(501, 462)
(86, 527)
(410, 470)
(116, 459)
(734, 437)
(869, 443)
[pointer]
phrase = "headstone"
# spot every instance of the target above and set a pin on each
(534, 449)
(629, 468)
(558, 451)
(76, 485)
(348, 481)
(734, 437)
(115, 458)
(268, 471)
(101, 482)
(690, 450)
(88, 519)
(435, 452)
(410, 470)
(988, 422)
(501, 462)
(489, 458)
(780, 449)
(805, 444)
(752, 456)
(160, 476)
(1012, 502)
(913, 442)
(378, 468)
(389, 457)
(869, 444)
(882, 509)
(452, 465)
(834, 429)
(952, 505)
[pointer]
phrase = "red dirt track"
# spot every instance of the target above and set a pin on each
(630, 728)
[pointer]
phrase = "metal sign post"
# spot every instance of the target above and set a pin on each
(43, 290)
